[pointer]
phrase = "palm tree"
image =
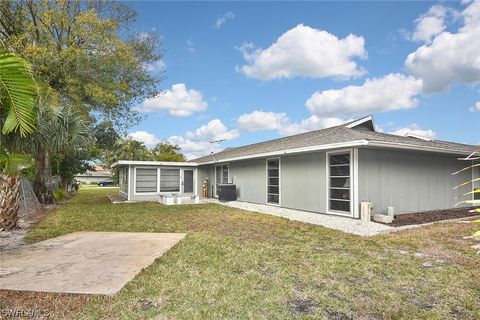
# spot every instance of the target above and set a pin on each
(61, 130)
(18, 103)
(472, 195)
(11, 166)
(18, 95)
(130, 149)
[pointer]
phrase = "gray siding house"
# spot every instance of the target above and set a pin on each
(328, 171)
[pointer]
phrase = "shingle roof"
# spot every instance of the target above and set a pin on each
(332, 135)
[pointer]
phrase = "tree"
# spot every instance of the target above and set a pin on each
(18, 101)
(86, 52)
(11, 166)
(166, 151)
(67, 165)
(18, 95)
(61, 132)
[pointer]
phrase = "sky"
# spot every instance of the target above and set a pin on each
(246, 72)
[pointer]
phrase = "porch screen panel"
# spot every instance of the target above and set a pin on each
(146, 180)
(169, 180)
(273, 181)
(123, 180)
(339, 182)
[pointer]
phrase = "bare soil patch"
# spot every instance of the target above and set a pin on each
(14, 239)
(431, 216)
(39, 305)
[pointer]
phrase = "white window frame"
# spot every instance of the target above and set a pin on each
(135, 182)
(279, 182)
(215, 170)
(353, 183)
(180, 176)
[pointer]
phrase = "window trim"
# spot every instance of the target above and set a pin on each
(353, 165)
(279, 182)
(135, 181)
(215, 170)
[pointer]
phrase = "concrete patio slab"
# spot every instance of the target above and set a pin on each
(83, 262)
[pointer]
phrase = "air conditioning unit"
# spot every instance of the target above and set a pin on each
(227, 192)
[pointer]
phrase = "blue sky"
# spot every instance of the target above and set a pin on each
(248, 72)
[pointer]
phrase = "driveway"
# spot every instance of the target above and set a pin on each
(83, 262)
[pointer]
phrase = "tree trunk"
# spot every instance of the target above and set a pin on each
(9, 201)
(43, 178)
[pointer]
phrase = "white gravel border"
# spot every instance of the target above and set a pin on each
(345, 224)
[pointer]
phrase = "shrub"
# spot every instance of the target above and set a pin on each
(59, 194)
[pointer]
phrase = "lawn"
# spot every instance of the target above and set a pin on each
(236, 264)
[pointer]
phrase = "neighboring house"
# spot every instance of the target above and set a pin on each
(96, 176)
(326, 171)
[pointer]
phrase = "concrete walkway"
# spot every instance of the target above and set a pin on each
(83, 262)
(349, 225)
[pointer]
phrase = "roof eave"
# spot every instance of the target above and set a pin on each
(120, 163)
(340, 145)
(406, 146)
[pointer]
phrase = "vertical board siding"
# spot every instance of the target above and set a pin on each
(410, 181)
(303, 185)
(250, 178)
(205, 171)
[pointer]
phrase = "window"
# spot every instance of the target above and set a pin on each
(169, 180)
(339, 182)
(273, 181)
(221, 175)
(146, 180)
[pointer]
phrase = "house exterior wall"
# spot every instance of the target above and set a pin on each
(206, 171)
(410, 181)
(250, 179)
(302, 180)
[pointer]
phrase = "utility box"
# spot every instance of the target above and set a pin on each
(365, 211)
(227, 192)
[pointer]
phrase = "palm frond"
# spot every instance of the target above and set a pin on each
(13, 163)
(20, 94)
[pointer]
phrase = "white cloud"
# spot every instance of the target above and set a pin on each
(309, 124)
(212, 131)
(475, 108)
(430, 24)
(199, 142)
(305, 51)
(391, 92)
(177, 101)
(415, 130)
(221, 20)
(193, 149)
(159, 65)
(260, 120)
(450, 57)
(143, 136)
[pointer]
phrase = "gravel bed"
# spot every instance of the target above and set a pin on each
(345, 224)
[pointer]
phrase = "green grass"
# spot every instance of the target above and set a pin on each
(236, 265)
